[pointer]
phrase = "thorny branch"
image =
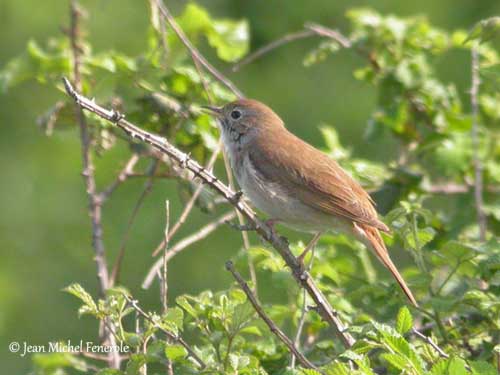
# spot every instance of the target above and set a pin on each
(188, 207)
(95, 209)
(272, 326)
(87, 162)
(279, 243)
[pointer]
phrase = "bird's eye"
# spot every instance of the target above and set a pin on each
(235, 114)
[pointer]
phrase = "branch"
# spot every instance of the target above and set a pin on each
(170, 335)
(87, 163)
(164, 275)
(301, 276)
(429, 341)
(273, 45)
(126, 172)
(194, 51)
(148, 186)
(189, 205)
(309, 31)
(94, 201)
(478, 173)
(272, 326)
(183, 244)
(303, 312)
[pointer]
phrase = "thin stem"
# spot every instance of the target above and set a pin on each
(478, 168)
(175, 338)
(302, 34)
(194, 51)
(189, 205)
(429, 341)
(164, 288)
(115, 274)
(303, 312)
(272, 326)
(126, 172)
(418, 248)
(184, 244)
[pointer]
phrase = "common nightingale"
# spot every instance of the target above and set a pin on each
(295, 183)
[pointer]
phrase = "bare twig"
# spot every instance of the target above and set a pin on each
(452, 188)
(272, 326)
(171, 336)
(194, 51)
(115, 274)
(329, 33)
(125, 173)
(309, 31)
(88, 176)
(302, 34)
(163, 279)
(189, 205)
(303, 312)
(183, 244)
(279, 243)
(478, 172)
(429, 341)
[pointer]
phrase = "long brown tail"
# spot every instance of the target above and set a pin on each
(372, 236)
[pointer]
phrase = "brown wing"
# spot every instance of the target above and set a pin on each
(314, 178)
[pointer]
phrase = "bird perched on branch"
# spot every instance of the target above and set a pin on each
(296, 184)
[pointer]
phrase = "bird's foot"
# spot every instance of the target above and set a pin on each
(271, 223)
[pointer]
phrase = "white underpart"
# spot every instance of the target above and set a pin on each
(276, 201)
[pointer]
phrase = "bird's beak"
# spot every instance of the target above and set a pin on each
(216, 111)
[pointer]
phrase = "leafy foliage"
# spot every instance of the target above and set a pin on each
(456, 278)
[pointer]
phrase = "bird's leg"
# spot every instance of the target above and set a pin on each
(271, 223)
(309, 246)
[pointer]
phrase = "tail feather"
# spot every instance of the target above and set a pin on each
(373, 237)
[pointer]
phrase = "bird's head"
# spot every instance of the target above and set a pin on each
(243, 119)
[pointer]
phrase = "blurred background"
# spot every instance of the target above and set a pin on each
(44, 226)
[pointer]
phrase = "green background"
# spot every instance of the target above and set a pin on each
(44, 227)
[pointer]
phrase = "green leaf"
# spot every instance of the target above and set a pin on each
(238, 362)
(404, 321)
(230, 39)
(331, 138)
(175, 352)
(484, 30)
(89, 306)
(53, 363)
(254, 330)
(184, 303)
(457, 366)
(173, 320)
(482, 368)
(398, 361)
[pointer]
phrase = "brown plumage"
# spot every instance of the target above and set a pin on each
(295, 183)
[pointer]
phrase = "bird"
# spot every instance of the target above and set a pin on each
(296, 184)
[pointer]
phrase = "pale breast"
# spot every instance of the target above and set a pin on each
(278, 202)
